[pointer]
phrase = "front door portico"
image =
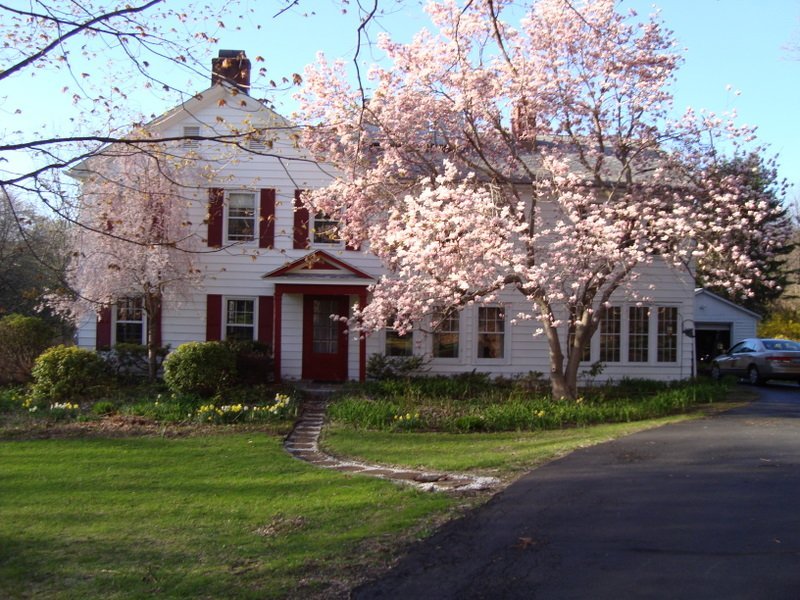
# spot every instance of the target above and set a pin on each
(318, 285)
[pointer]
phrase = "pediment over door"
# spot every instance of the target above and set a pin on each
(319, 267)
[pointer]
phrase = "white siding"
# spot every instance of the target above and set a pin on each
(238, 270)
(712, 310)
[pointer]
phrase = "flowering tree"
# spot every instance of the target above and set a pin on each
(538, 157)
(136, 240)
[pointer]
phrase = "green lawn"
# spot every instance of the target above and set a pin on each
(231, 515)
(201, 517)
(504, 455)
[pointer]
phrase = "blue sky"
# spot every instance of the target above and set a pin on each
(743, 44)
(739, 43)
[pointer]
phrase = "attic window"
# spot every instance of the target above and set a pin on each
(188, 131)
(257, 141)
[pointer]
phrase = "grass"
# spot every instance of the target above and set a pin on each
(504, 454)
(204, 510)
(197, 517)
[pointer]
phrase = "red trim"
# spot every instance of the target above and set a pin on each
(276, 349)
(318, 364)
(316, 257)
(301, 219)
(321, 265)
(216, 197)
(213, 317)
(103, 334)
(266, 221)
(319, 290)
(362, 342)
(266, 310)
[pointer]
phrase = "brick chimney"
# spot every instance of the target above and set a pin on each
(233, 67)
(523, 124)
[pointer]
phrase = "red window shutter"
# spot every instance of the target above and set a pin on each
(266, 222)
(103, 339)
(266, 315)
(216, 196)
(300, 222)
(213, 317)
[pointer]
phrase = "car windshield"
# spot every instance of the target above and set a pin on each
(781, 345)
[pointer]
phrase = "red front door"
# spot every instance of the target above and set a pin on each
(324, 339)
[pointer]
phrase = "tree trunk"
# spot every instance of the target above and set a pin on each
(560, 388)
(564, 378)
(153, 307)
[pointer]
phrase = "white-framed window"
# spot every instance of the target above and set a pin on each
(611, 334)
(240, 220)
(191, 130)
(667, 334)
(239, 319)
(446, 335)
(325, 229)
(397, 344)
(130, 321)
(491, 332)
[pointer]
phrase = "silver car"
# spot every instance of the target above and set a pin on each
(759, 359)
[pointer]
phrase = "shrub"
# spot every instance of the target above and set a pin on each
(22, 339)
(392, 367)
(12, 398)
(202, 368)
(254, 363)
(130, 361)
(65, 373)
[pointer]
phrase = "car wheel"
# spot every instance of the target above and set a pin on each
(753, 376)
(716, 374)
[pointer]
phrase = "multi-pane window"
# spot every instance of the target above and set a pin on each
(491, 332)
(638, 333)
(241, 216)
(326, 229)
(586, 351)
(325, 329)
(240, 319)
(399, 345)
(667, 336)
(130, 320)
(446, 334)
(610, 334)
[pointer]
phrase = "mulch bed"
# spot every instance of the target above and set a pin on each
(120, 426)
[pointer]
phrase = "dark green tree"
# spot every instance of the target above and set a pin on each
(33, 256)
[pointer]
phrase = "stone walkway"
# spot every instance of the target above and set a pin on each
(303, 443)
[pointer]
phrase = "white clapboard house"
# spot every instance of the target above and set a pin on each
(277, 276)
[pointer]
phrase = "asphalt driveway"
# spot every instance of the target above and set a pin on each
(698, 510)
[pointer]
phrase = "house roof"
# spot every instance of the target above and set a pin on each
(213, 96)
(742, 309)
(218, 94)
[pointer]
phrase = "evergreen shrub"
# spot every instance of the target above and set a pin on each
(201, 368)
(67, 373)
